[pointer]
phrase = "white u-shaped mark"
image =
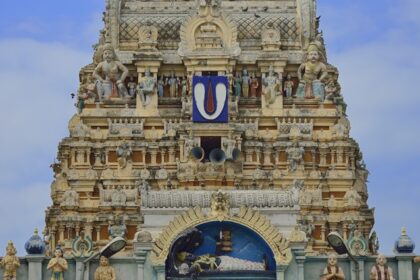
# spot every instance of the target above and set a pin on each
(200, 94)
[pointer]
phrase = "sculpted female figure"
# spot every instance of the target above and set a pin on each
(105, 271)
(10, 262)
(57, 265)
(110, 75)
(311, 75)
(254, 86)
(332, 271)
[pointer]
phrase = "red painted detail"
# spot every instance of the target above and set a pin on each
(210, 102)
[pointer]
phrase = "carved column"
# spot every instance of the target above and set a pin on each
(171, 155)
(98, 232)
(88, 229)
(248, 155)
(162, 155)
(153, 157)
(97, 155)
(313, 154)
(61, 232)
(34, 267)
(323, 232)
(141, 251)
(267, 156)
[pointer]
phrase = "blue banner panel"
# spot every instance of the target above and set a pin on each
(210, 99)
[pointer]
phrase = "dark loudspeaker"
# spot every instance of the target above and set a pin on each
(197, 153)
(236, 154)
(217, 156)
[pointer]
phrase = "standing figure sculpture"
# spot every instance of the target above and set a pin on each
(254, 85)
(146, 87)
(295, 156)
(184, 87)
(381, 271)
(272, 87)
(10, 262)
(57, 265)
(246, 80)
(110, 75)
(288, 86)
(132, 87)
(161, 87)
(238, 86)
(311, 75)
(105, 271)
(173, 85)
(332, 271)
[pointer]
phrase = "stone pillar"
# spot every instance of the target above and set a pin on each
(172, 155)
(299, 253)
(82, 270)
(280, 271)
(35, 266)
(267, 156)
(141, 251)
(361, 261)
(405, 266)
(160, 271)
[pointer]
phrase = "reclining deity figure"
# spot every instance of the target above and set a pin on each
(105, 271)
(381, 271)
(146, 87)
(110, 75)
(312, 75)
(332, 271)
(10, 262)
(272, 87)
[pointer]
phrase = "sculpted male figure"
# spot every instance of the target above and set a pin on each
(381, 271)
(146, 87)
(332, 271)
(110, 75)
(105, 271)
(246, 80)
(272, 87)
(311, 75)
(57, 265)
(10, 262)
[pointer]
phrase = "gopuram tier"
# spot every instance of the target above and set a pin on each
(198, 113)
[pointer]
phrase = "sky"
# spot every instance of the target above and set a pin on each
(43, 45)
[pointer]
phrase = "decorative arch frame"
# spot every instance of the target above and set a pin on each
(247, 217)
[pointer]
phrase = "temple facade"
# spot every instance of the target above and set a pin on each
(212, 136)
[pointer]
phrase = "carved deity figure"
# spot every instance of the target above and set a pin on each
(238, 85)
(332, 271)
(294, 156)
(110, 75)
(146, 87)
(119, 229)
(118, 197)
(124, 154)
(272, 87)
(132, 87)
(173, 85)
(311, 75)
(381, 271)
(105, 271)
(184, 84)
(246, 80)
(190, 143)
(220, 203)
(10, 262)
(254, 85)
(229, 145)
(70, 198)
(352, 198)
(58, 265)
(161, 87)
(288, 86)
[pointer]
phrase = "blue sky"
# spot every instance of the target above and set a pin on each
(43, 45)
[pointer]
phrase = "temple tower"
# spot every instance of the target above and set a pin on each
(218, 110)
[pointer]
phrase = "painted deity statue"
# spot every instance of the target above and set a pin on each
(146, 87)
(184, 84)
(161, 87)
(10, 262)
(288, 86)
(238, 85)
(332, 271)
(57, 265)
(110, 75)
(105, 271)
(272, 87)
(381, 271)
(246, 80)
(254, 86)
(173, 85)
(311, 75)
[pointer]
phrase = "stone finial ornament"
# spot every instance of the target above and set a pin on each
(404, 244)
(332, 271)
(105, 271)
(380, 271)
(58, 265)
(10, 262)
